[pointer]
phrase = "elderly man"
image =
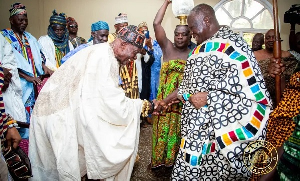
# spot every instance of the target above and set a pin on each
(120, 21)
(257, 41)
(99, 34)
(56, 43)
(29, 57)
(73, 29)
(225, 104)
(88, 125)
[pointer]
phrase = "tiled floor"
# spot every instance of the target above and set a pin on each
(140, 170)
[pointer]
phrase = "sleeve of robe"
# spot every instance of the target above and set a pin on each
(12, 97)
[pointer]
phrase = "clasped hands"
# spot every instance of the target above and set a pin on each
(198, 100)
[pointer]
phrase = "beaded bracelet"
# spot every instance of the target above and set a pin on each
(186, 96)
(13, 125)
(145, 108)
(11, 122)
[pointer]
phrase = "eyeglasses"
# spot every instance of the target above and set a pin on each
(73, 26)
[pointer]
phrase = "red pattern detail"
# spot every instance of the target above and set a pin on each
(222, 46)
(213, 147)
(258, 115)
(264, 101)
(24, 145)
(28, 109)
(233, 136)
(245, 65)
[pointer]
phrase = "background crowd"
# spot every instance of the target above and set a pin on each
(209, 100)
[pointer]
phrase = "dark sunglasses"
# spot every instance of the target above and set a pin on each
(73, 26)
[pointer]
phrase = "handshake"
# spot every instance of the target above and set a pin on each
(198, 100)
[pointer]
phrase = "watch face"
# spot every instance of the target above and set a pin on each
(260, 157)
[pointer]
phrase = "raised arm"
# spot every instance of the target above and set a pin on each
(160, 33)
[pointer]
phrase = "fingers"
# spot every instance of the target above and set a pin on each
(15, 143)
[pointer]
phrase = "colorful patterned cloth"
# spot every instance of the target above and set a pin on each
(3, 117)
(29, 59)
(237, 110)
(166, 127)
(289, 165)
(128, 74)
(17, 8)
(77, 41)
(280, 124)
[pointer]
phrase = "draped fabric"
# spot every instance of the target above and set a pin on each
(237, 110)
(29, 59)
(88, 125)
(73, 52)
(12, 97)
(77, 41)
(3, 117)
(51, 52)
(166, 127)
(284, 129)
(62, 43)
(128, 74)
(155, 70)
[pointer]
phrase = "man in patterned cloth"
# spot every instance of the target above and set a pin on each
(226, 103)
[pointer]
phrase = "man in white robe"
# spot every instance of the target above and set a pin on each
(82, 122)
(12, 96)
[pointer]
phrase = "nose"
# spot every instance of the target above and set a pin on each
(105, 39)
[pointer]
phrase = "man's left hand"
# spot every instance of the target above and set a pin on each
(199, 99)
(148, 43)
(13, 137)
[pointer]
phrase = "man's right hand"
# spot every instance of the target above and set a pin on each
(7, 78)
(7, 74)
(275, 68)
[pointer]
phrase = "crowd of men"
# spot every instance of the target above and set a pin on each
(75, 107)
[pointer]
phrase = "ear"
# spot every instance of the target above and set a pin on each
(123, 44)
(11, 20)
(93, 34)
(207, 21)
(116, 27)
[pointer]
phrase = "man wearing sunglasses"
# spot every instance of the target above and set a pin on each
(72, 26)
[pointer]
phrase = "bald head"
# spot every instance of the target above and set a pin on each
(204, 10)
(258, 41)
(202, 22)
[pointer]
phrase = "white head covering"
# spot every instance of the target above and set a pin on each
(121, 18)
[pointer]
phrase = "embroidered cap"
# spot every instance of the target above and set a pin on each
(59, 19)
(131, 35)
(17, 8)
(121, 18)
